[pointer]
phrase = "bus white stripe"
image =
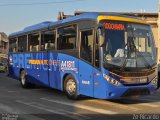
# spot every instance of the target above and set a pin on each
(102, 111)
(43, 107)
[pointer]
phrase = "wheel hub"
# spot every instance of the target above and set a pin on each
(71, 87)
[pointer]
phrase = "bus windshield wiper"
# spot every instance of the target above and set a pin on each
(127, 53)
(136, 56)
(146, 63)
(131, 48)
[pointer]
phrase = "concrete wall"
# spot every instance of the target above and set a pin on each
(3, 43)
(155, 33)
(157, 42)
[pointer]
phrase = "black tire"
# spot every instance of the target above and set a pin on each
(23, 80)
(70, 87)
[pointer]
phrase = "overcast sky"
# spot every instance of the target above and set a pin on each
(17, 14)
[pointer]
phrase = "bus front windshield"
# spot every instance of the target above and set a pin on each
(128, 45)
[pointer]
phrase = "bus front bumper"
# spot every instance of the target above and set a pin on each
(130, 91)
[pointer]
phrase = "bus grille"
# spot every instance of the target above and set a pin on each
(138, 84)
(134, 74)
(136, 91)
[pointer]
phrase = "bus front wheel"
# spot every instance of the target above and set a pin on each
(70, 86)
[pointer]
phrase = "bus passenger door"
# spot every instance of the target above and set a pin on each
(99, 82)
(48, 46)
(53, 70)
(86, 63)
(100, 87)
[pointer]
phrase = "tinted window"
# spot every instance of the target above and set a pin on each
(33, 42)
(87, 45)
(48, 41)
(67, 37)
(22, 44)
(115, 41)
(13, 45)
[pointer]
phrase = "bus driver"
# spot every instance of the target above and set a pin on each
(129, 50)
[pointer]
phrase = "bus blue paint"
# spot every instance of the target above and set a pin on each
(50, 67)
(48, 24)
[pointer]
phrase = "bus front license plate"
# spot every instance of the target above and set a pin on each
(143, 80)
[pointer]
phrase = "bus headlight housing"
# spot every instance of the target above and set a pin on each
(111, 80)
(154, 81)
(10, 60)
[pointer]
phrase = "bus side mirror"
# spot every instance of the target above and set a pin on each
(101, 36)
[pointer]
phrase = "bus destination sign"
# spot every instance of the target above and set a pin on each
(114, 26)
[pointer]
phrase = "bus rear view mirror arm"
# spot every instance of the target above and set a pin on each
(101, 35)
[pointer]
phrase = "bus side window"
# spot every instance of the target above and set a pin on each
(13, 45)
(48, 40)
(86, 51)
(22, 43)
(33, 42)
(67, 37)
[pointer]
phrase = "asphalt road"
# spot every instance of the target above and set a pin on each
(42, 103)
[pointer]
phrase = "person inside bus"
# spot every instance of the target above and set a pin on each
(120, 53)
(31, 48)
(49, 45)
(129, 51)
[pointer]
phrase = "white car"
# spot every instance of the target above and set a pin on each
(2, 67)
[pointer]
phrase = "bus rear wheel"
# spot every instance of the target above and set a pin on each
(70, 87)
(23, 80)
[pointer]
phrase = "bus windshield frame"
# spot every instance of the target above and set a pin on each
(128, 46)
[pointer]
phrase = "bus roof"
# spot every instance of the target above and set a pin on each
(48, 24)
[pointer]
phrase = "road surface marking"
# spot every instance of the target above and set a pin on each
(12, 91)
(102, 111)
(83, 117)
(43, 107)
(126, 107)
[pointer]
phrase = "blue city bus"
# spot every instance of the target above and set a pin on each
(101, 55)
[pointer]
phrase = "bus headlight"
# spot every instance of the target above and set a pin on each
(154, 81)
(10, 60)
(111, 80)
